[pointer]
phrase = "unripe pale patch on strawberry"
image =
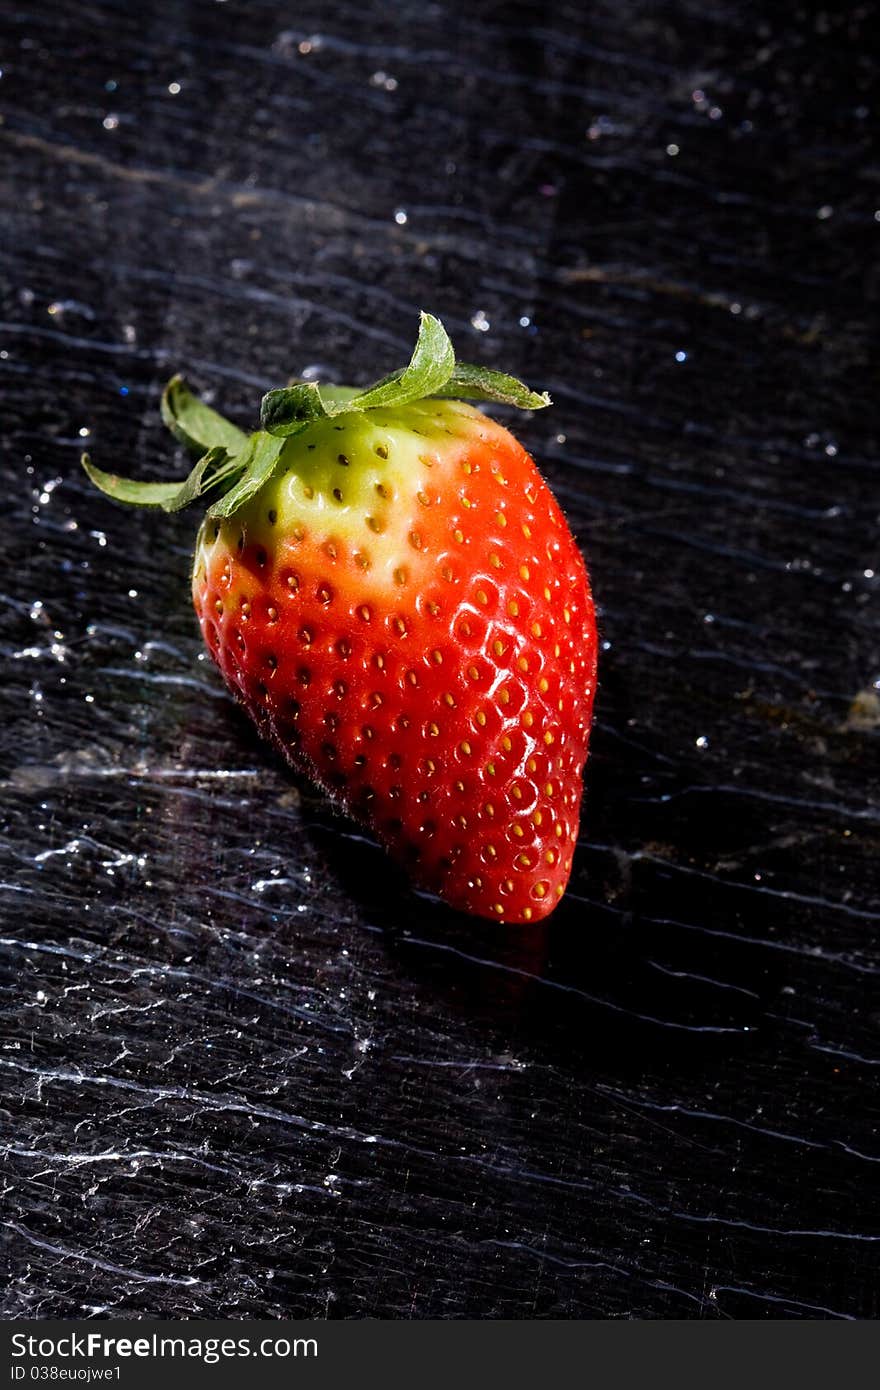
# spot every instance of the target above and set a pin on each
(391, 591)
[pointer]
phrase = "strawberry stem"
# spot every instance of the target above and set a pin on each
(242, 463)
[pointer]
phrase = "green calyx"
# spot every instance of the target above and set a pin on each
(236, 465)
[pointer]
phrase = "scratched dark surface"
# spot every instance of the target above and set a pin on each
(246, 1073)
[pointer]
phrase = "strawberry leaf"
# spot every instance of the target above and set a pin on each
(472, 383)
(241, 463)
(213, 467)
(195, 424)
(430, 367)
(259, 461)
(290, 409)
(128, 490)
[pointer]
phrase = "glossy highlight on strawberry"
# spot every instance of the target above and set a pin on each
(396, 599)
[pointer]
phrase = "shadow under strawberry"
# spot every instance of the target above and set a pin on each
(583, 986)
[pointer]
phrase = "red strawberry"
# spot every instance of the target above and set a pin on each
(392, 592)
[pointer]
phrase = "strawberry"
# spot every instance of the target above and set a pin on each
(391, 591)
